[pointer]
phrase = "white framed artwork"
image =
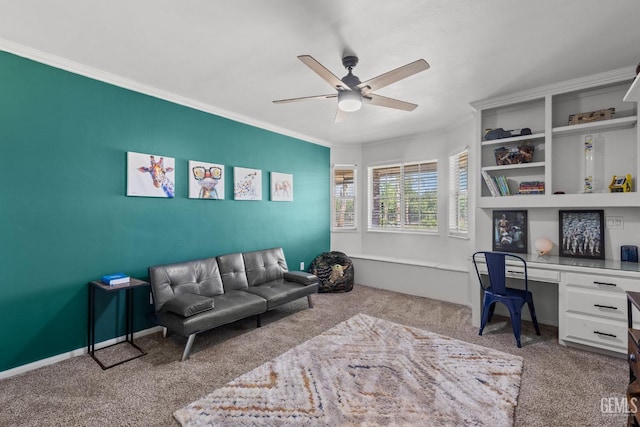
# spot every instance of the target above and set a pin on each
(150, 175)
(281, 187)
(247, 184)
(206, 180)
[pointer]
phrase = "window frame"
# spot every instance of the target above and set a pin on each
(354, 169)
(455, 190)
(401, 198)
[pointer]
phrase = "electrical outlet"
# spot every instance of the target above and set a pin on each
(302, 266)
(615, 222)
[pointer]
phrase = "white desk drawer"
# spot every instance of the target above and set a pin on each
(603, 283)
(536, 274)
(612, 305)
(609, 335)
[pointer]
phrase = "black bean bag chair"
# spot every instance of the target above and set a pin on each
(335, 271)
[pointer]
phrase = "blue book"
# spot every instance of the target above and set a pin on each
(115, 279)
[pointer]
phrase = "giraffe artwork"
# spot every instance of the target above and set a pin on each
(150, 175)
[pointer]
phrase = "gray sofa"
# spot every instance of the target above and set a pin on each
(195, 296)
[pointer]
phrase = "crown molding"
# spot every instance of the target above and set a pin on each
(608, 77)
(126, 83)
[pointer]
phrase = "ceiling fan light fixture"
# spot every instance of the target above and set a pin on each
(349, 100)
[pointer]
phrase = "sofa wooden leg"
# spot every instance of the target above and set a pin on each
(164, 332)
(258, 321)
(310, 301)
(187, 348)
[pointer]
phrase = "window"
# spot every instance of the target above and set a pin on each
(344, 197)
(404, 197)
(458, 193)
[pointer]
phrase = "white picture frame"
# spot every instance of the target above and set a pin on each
(281, 187)
(247, 184)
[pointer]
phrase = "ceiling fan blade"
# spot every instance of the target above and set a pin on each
(305, 98)
(393, 76)
(340, 115)
(383, 101)
(326, 75)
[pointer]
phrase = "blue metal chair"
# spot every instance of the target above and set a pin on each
(496, 291)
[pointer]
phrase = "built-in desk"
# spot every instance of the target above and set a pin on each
(592, 302)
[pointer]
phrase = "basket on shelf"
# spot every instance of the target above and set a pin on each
(515, 155)
(592, 116)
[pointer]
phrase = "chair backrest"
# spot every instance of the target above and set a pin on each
(496, 263)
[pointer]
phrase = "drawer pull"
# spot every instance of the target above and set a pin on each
(515, 272)
(610, 307)
(604, 283)
(632, 357)
(605, 334)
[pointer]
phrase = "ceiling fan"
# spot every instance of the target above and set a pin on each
(352, 92)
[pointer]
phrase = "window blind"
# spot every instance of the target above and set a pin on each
(458, 193)
(344, 197)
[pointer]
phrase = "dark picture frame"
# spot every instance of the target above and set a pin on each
(582, 233)
(510, 231)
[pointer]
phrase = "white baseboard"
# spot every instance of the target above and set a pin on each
(73, 353)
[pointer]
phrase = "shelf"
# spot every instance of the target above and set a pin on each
(512, 139)
(633, 94)
(561, 200)
(512, 167)
(611, 124)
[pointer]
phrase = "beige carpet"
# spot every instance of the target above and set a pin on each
(560, 386)
(369, 371)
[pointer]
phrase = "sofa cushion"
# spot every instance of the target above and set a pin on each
(264, 266)
(201, 277)
(188, 304)
(280, 292)
(232, 272)
(229, 307)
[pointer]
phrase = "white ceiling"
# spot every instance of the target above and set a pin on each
(235, 57)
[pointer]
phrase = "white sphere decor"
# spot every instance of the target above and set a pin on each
(543, 246)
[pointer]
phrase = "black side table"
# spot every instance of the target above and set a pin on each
(91, 341)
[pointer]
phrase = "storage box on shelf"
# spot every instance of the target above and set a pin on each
(558, 159)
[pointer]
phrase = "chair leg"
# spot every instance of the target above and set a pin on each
(492, 308)
(164, 332)
(534, 319)
(516, 319)
(486, 309)
(187, 348)
(310, 301)
(258, 321)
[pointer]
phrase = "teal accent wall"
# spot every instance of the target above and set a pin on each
(65, 218)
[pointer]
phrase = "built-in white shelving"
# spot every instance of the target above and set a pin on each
(558, 158)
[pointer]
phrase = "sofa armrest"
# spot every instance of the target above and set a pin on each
(300, 277)
(188, 304)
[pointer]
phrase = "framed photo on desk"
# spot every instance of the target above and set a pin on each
(510, 232)
(582, 234)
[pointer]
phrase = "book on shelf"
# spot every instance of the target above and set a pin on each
(503, 185)
(491, 184)
(531, 187)
(115, 279)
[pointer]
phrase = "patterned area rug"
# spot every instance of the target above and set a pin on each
(368, 371)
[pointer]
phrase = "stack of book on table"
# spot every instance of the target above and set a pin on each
(116, 279)
(531, 187)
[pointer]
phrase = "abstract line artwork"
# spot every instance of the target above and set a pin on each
(247, 184)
